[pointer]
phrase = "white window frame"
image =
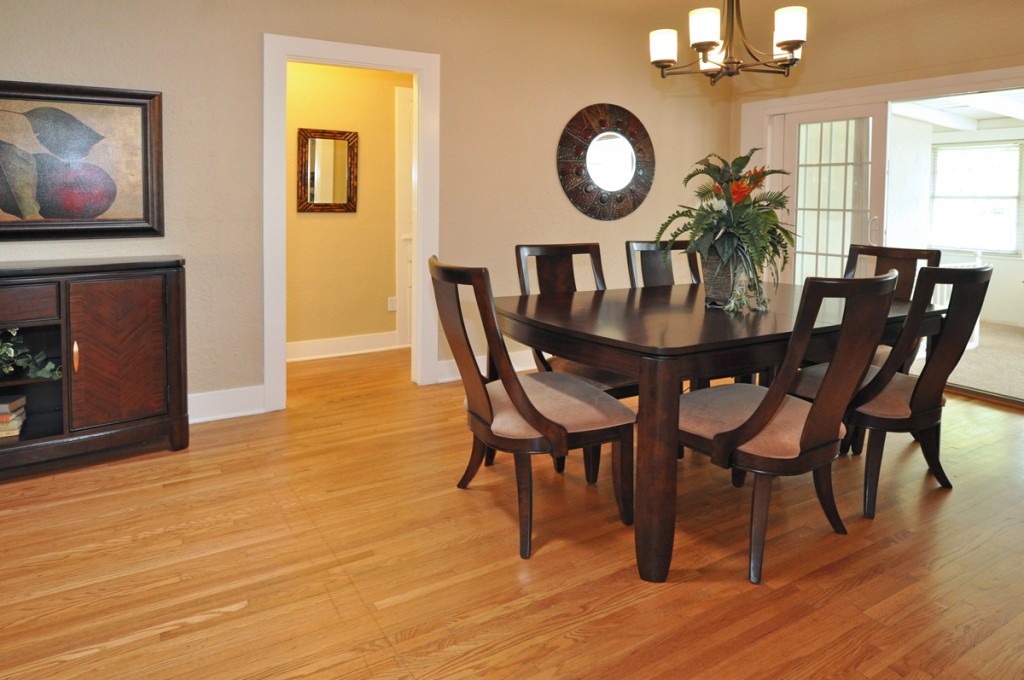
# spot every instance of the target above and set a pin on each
(1018, 197)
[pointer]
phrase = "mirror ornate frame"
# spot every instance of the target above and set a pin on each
(579, 187)
(306, 171)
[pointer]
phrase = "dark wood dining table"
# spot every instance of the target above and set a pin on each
(664, 334)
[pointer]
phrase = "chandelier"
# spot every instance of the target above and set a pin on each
(718, 56)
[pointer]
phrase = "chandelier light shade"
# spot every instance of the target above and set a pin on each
(722, 45)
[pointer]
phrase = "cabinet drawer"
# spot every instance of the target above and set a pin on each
(19, 304)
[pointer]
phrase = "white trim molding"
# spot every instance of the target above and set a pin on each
(324, 348)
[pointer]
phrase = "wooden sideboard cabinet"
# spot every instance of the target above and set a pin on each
(117, 328)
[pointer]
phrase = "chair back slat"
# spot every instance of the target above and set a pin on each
(447, 279)
(555, 268)
(969, 287)
(656, 268)
(906, 261)
(865, 312)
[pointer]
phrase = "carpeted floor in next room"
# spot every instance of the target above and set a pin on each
(995, 365)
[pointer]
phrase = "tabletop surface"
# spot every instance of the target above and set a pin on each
(665, 320)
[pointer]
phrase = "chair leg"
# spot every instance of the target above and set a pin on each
(622, 475)
(558, 462)
(872, 468)
(844, 445)
(929, 440)
(488, 456)
(739, 478)
(591, 462)
(858, 440)
(823, 487)
(475, 458)
(854, 440)
(759, 523)
(524, 489)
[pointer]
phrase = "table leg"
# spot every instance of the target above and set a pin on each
(655, 501)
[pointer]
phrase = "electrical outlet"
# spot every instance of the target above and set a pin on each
(392, 304)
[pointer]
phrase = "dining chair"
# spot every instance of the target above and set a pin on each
(906, 262)
(555, 271)
(763, 430)
(649, 265)
(892, 401)
(548, 412)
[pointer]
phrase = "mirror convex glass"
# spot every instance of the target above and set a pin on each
(605, 161)
(611, 161)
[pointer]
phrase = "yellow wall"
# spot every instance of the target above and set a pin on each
(512, 73)
(341, 266)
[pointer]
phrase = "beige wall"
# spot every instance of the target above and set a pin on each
(341, 266)
(512, 73)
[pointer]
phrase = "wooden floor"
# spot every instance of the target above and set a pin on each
(330, 541)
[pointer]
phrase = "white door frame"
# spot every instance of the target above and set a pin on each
(405, 186)
(278, 50)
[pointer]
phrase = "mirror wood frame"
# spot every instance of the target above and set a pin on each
(303, 202)
(579, 187)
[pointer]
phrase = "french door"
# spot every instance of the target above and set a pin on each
(836, 160)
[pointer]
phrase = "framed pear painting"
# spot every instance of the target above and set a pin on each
(79, 162)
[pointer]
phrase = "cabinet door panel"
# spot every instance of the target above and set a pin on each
(119, 328)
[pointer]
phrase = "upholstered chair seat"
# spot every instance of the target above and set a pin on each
(572, 403)
(727, 406)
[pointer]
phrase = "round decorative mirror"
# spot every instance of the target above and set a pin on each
(605, 161)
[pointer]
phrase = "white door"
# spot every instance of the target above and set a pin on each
(836, 160)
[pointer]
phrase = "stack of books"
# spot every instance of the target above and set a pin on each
(12, 415)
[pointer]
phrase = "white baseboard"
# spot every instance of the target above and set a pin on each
(233, 403)
(523, 361)
(324, 348)
(249, 401)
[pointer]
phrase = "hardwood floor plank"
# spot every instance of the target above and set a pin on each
(330, 541)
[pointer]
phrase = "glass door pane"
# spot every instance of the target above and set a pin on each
(835, 158)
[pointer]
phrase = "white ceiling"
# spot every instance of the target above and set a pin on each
(978, 111)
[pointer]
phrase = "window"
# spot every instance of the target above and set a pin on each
(976, 196)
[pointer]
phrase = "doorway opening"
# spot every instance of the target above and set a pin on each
(344, 295)
(425, 68)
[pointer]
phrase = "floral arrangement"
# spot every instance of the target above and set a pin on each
(738, 219)
(14, 355)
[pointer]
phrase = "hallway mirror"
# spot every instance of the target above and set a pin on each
(327, 170)
(605, 161)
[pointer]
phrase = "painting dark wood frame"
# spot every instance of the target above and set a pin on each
(147, 179)
(303, 203)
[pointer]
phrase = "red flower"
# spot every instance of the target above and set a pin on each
(740, 190)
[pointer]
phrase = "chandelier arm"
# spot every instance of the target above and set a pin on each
(759, 68)
(754, 53)
(686, 69)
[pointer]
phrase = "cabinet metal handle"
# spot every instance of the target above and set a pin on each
(74, 355)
